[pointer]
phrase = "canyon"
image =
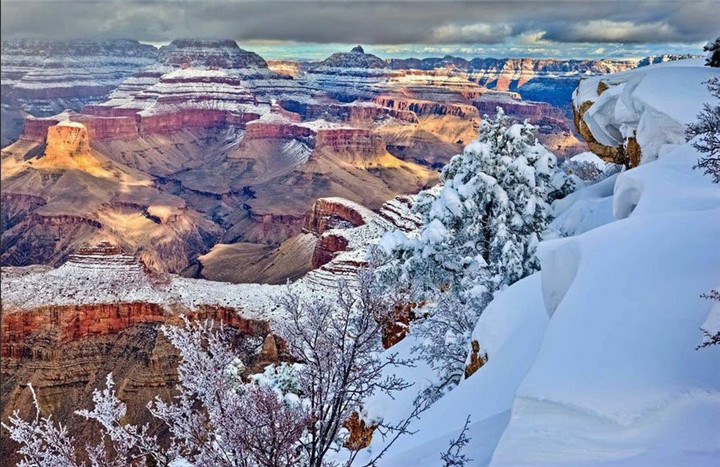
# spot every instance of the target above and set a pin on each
(140, 185)
(171, 152)
(64, 329)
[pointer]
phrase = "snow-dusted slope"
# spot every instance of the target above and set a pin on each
(593, 360)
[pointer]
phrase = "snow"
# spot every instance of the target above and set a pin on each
(593, 360)
(653, 103)
(68, 123)
(712, 323)
(590, 157)
(510, 331)
(584, 209)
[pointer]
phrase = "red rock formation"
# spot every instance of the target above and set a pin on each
(169, 122)
(104, 128)
(477, 359)
(422, 107)
(66, 351)
(517, 108)
(347, 112)
(326, 247)
(330, 213)
(36, 129)
(360, 433)
(350, 141)
(276, 129)
(71, 322)
(98, 127)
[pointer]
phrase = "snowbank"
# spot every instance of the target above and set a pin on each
(652, 104)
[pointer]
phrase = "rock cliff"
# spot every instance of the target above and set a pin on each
(105, 317)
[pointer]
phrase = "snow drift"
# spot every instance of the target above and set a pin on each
(593, 360)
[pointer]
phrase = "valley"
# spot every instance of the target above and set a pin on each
(202, 146)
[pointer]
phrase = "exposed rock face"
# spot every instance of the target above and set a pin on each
(548, 80)
(201, 84)
(281, 125)
(67, 345)
(422, 108)
(351, 143)
(356, 58)
(356, 113)
(477, 359)
(331, 213)
(347, 252)
(513, 105)
(612, 154)
(349, 76)
(326, 247)
(285, 67)
(78, 194)
(98, 128)
(334, 215)
(398, 328)
(360, 432)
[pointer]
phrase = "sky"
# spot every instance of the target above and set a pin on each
(402, 28)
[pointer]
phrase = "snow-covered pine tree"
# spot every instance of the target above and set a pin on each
(707, 129)
(713, 50)
(481, 226)
(482, 223)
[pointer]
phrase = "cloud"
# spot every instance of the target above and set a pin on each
(603, 30)
(484, 33)
(531, 24)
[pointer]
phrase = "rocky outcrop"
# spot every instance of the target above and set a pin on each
(423, 108)
(66, 351)
(98, 128)
(84, 194)
(356, 58)
(397, 328)
(353, 113)
(612, 154)
(350, 142)
(64, 330)
(477, 359)
(326, 247)
(332, 213)
(348, 76)
(279, 124)
(360, 432)
(69, 322)
(512, 104)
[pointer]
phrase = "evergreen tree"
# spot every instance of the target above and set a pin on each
(713, 49)
(481, 226)
(707, 129)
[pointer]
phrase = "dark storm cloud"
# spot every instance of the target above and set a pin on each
(368, 22)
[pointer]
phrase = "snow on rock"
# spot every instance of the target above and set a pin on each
(652, 104)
